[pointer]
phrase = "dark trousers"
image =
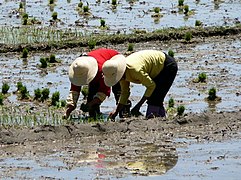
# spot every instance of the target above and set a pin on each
(163, 82)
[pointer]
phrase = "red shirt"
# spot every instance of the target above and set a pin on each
(101, 55)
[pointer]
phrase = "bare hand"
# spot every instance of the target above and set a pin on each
(68, 111)
(112, 116)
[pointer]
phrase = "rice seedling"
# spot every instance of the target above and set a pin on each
(5, 88)
(25, 16)
(86, 9)
(61, 103)
(212, 94)
(186, 9)
(55, 98)
(202, 77)
(102, 23)
(45, 94)
(91, 44)
(43, 62)
(113, 2)
(130, 47)
(180, 110)
(1, 99)
(171, 53)
(157, 10)
(180, 2)
(188, 36)
(55, 16)
(37, 94)
(80, 4)
(19, 85)
(198, 23)
(52, 58)
(25, 53)
(20, 5)
(171, 103)
(24, 94)
(51, 1)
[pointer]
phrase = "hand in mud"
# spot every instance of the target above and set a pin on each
(112, 116)
(135, 112)
(84, 107)
(68, 111)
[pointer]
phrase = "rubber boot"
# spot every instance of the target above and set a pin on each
(155, 111)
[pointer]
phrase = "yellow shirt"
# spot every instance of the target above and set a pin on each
(141, 68)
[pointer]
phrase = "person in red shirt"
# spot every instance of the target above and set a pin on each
(87, 70)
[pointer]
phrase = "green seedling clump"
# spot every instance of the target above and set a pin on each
(55, 98)
(51, 1)
(92, 44)
(37, 94)
(86, 9)
(102, 23)
(198, 23)
(52, 58)
(55, 16)
(21, 5)
(114, 2)
(63, 103)
(25, 53)
(157, 10)
(1, 99)
(5, 88)
(180, 110)
(171, 103)
(186, 9)
(25, 16)
(188, 36)
(212, 94)
(43, 62)
(24, 94)
(180, 2)
(45, 94)
(19, 85)
(80, 5)
(130, 47)
(171, 53)
(202, 77)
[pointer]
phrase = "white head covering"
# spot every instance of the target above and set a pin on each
(83, 70)
(114, 69)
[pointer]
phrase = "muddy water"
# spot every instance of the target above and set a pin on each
(126, 16)
(219, 59)
(192, 161)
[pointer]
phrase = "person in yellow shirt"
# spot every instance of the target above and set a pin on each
(153, 69)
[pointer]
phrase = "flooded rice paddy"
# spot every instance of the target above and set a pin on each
(204, 146)
(126, 16)
(219, 59)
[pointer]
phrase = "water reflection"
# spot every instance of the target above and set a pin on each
(144, 159)
(87, 160)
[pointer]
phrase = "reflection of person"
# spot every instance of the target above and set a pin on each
(87, 69)
(151, 68)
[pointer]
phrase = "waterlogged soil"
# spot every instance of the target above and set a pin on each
(125, 17)
(40, 145)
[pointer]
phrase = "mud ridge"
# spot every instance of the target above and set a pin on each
(203, 126)
(138, 36)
